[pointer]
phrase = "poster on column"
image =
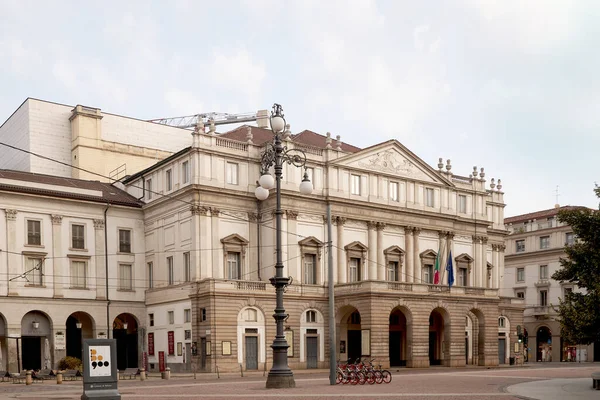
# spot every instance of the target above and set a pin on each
(100, 362)
(59, 341)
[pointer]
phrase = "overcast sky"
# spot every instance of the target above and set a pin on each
(506, 85)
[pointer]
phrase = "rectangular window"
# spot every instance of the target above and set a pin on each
(394, 196)
(569, 238)
(187, 334)
(187, 315)
(428, 274)
(78, 274)
(462, 203)
(429, 200)
(78, 236)
(36, 268)
(311, 316)
(150, 275)
(543, 297)
(170, 272)
(354, 272)
(355, 183)
(151, 319)
(462, 277)
(187, 267)
(310, 269)
(520, 246)
(169, 180)
(171, 316)
(203, 314)
(233, 265)
(124, 241)
(392, 271)
(520, 295)
(544, 242)
(232, 173)
(520, 274)
(34, 233)
(568, 291)
(185, 172)
(125, 277)
(149, 189)
(543, 272)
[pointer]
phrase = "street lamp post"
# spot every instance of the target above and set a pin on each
(276, 155)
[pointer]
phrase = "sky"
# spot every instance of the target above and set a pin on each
(507, 85)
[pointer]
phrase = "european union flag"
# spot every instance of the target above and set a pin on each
(450, 270)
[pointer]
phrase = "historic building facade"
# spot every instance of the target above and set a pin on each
(60, 239)
(210, 253)
(533, 251)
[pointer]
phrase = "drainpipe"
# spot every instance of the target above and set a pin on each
(143, 188)
(108, 330)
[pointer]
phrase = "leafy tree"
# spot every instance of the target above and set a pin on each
(580, 311)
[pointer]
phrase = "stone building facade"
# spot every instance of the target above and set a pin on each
(210, 253)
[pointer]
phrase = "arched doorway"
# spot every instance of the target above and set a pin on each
(125, 331)
(400, 334)
(36, 331)
(79, 326)
(544, 344)
(477, 337)
(350, 343)
(439, 337)
(469, 335)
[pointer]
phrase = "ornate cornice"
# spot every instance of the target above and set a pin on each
(11, 215)
(254, 217)
(371, 225)
(214, 211)
(340, 221)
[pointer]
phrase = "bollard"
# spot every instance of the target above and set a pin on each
(142, 374)
(241, 371)
(218, 375)
(166, 374)
(28, 379)
(59, 377)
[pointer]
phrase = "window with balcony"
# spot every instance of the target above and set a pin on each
(392, 271)
(185, 171)
(125, 277)
(462, 204)
(311, 316)
(569, 238)
(429, 197)
(354, 269)
(310, 269)
(34, 233)
(462, 277)
(355, 184)
(394, 195)
(232, 173)
(520, 246)
(169, 180)
(544, 242)
(170, 272)
(520, 274)
(78, 236)
(543, 297)
(233, 265)
(427, 273)
(124, 241)
(543, 272)
(78, 274)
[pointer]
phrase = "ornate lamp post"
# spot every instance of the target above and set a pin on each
(276, 155)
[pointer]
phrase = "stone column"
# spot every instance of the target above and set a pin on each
(341, 261)
(13, 260)
(253, 249)
(484, 274)
(292, 249)
(380, 259)
(11, 346)
(100, 259)
(476, 262)
(204, 269)
(218, 269)
(496, 266)
(196, 241)
(501, 249)
(419, 346)
(372, 262)
(408, 255)
(416, 258)
(60, 274)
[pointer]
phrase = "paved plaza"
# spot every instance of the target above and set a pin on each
(547, 382)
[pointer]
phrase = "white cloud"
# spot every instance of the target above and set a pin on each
(183, 102)
(238, 71)
(22, 58)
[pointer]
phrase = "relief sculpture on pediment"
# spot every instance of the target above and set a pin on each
(388, 161)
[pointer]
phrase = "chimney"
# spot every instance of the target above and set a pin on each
(262, 119)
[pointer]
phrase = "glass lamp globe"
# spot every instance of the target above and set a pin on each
(267, 181)
(306, 186)
(261, 193)
(277, 124)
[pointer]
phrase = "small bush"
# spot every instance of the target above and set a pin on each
(70, 363)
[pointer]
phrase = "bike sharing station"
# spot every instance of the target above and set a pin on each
(100, 374)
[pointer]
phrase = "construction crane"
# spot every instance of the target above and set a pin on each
(191, 121)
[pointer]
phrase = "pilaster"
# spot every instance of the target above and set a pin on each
(341, 259)
(218, 269)
(59, 274)
(416, 258)
(12, 259)
(408, 246)
(100, 259)
(290, 240)
(372, 262)
(380, 259)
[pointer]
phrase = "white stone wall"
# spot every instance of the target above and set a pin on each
(15, 131)
(162, 327)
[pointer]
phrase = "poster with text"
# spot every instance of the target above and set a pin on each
(99, 361)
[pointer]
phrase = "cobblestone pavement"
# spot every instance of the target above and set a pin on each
(507, 383)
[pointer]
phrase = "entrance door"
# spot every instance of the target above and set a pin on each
(311, 352)
(354, 345)
(432, 348)
(251, 352)
(502, 351)
(597, 351)
(32, 352)
(467, 350)
(395, 340)
(188, 356)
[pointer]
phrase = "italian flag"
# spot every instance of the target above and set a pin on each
(436, 268)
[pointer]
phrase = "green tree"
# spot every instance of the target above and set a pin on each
(580, 312)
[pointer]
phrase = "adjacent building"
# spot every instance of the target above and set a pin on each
(533, 251)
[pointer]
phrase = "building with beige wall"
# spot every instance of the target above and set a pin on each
(210, 250)
(534, 247)
(60, 239)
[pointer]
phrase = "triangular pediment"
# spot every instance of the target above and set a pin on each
(394, 250)
(356, 246)
(464, 257)
(428, 254)
(392, 158)
(234, 239)
(310, 241)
